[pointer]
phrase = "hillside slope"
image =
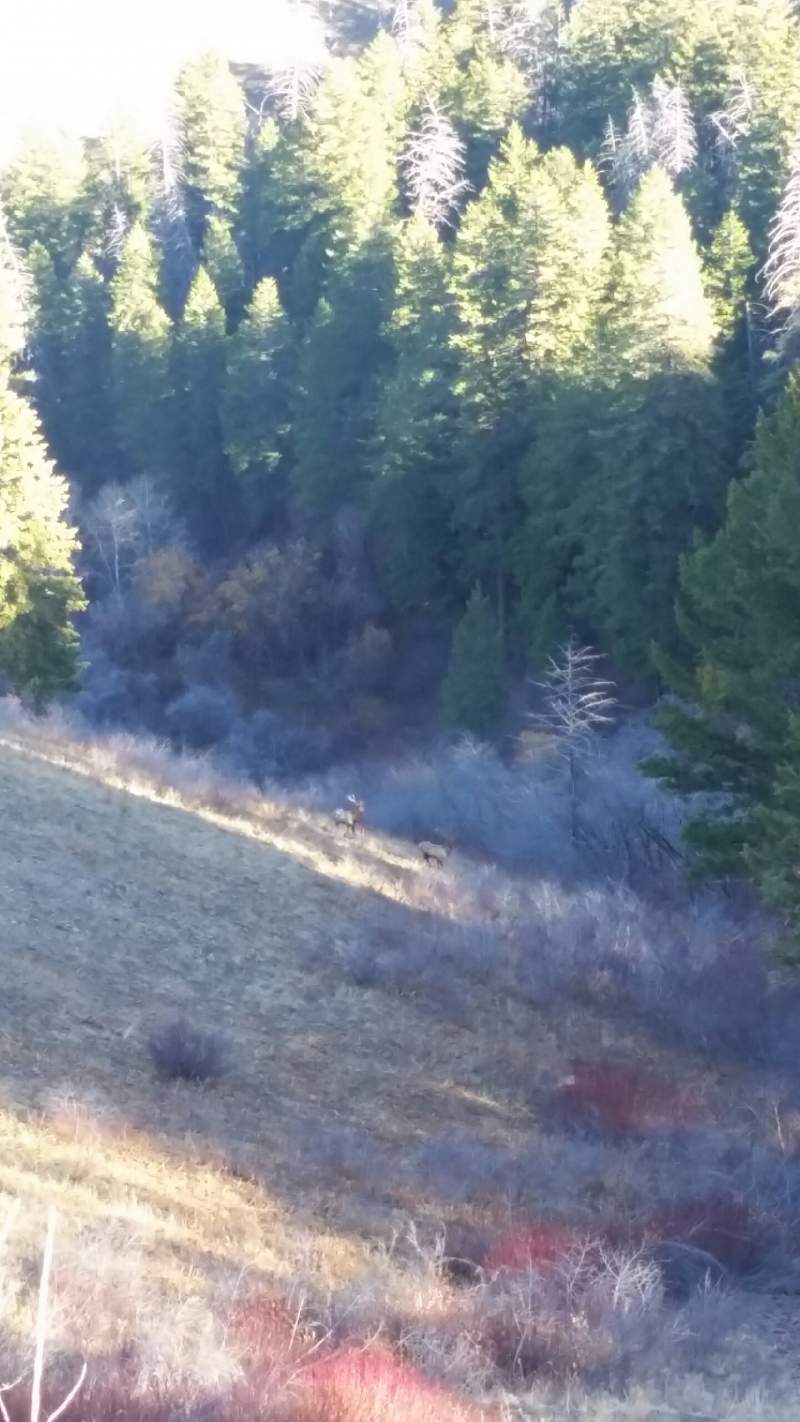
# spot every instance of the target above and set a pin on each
(352, 1110)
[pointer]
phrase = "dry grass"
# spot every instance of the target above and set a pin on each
(126, 903)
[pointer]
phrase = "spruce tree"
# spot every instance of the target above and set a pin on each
(39, 592)
(212, 122)
(198, 371)
(224, 266)
(257, 400)
(42, 192)
(341, 368)
(140, 334)
(473, 691)
(417, 424)
(733, 729)
(529, 269)
(659, 475)
(14, 296)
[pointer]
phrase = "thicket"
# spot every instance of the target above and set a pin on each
(494, 302)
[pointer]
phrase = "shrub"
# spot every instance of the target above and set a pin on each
(358, 1384)
(181, 1051)
(534, 1248)
(722, 1227)
(625, 1099)
(202, 716)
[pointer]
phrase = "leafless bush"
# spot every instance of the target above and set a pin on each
(182, 1051)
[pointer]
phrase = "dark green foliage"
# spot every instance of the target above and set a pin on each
(544, 388)
(417, 425)
(39, 591)
(474, 692)
(200, 472)
(256, 401)
(140, 338)
(211, 120)
(734, 731)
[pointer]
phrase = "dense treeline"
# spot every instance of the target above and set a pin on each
(469, 331)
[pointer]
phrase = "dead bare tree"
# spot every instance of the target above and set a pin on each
(433, 166)
(660, 130)
(300, 62)
(782, 268)
(576, 704)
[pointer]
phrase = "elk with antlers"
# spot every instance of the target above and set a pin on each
(352, 819)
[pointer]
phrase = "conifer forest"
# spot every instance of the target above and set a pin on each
(342, 402)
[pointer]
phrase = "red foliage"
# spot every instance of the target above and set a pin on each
(626, 1099)
(722, 1227)
(358, 1384)
(533, 1248)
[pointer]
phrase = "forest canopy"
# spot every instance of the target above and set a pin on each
(477, 335)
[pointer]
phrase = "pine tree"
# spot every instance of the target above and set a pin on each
(529, 271)
(140, 331)
(39, 592)
(341, 368)
(659, 452)
(211, 117)
(117, 192)
(42, 194)
(256, 404)
(734, 730)
(473, 691)
(88, 451)
(14, 296)
(198, 370)
(224, 266)
(417, 423)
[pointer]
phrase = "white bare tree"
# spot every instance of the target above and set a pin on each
(125, 522)
(433, 167)
(299, 61)
(660, 129)
(782, 268)
(735, 117)
(674, 135)
(576, 703)
(407, 27)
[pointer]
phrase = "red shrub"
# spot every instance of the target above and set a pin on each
(724, 1228)
(359, 1384)
(533, 1248)
(623, 1098)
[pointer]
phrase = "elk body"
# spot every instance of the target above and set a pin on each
(434, 854)
(352, 818)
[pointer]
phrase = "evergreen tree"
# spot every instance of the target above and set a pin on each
(473, 691)
(198, 370)
(117, 192)
(88, 450)
(529, 267)
(211, 118)
(42, 192)
(256, 405)
(734, 731)
(39, 591)
(140, 332)
(14, 294)
(417, 424)
(659, 475)
(342, 364)
(224, 265)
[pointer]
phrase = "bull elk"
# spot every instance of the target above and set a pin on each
(352, 819)
(433, 853)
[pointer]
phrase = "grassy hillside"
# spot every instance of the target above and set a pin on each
(360, 1113)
